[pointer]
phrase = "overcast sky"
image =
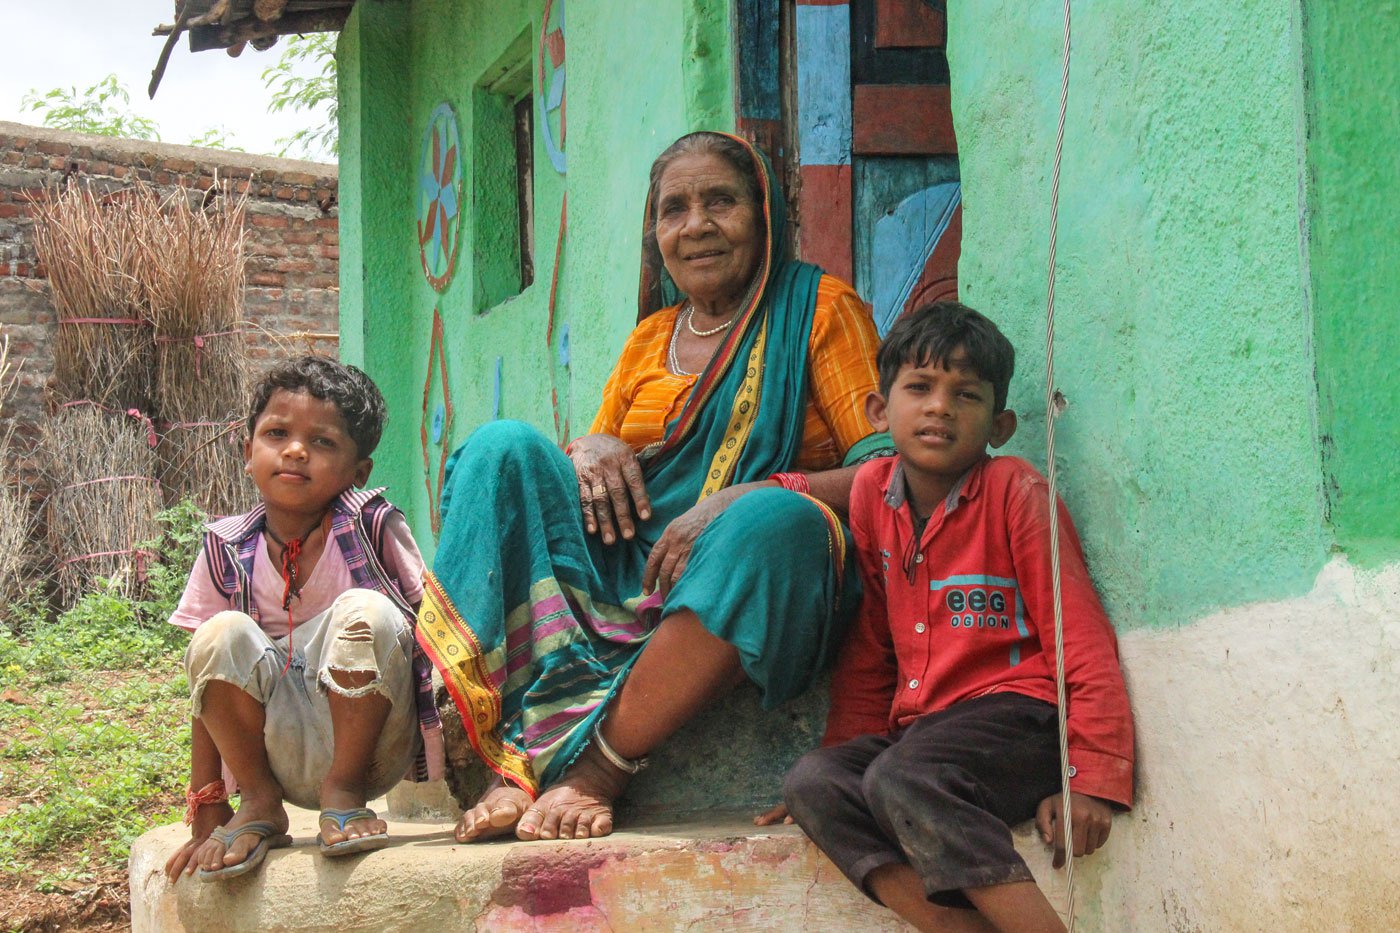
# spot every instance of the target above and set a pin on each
(66, 43)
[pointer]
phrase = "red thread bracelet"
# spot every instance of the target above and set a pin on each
(796, 482)
(211, 793)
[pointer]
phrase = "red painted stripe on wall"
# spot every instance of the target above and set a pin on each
(555, 43)
(903, 119)
(824, 219)
(908, 24)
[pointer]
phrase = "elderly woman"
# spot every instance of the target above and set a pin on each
(584, 605)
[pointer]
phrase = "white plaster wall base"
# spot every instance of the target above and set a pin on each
(1268, 769)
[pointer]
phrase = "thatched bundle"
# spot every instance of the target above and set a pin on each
(204, 463)
(96, 265)
(148, 289)
(16, 511)
(100, 468)
(196, 306)
(201, 384)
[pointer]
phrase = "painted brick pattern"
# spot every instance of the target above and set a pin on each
(292, 296)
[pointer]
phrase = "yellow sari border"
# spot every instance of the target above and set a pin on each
(454, 650)
(741, 419)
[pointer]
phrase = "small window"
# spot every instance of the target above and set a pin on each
(503, 140)
(525, 185)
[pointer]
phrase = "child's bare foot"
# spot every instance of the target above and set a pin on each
(580, 805)
(496, 812)
(335, 796)
(212, 855)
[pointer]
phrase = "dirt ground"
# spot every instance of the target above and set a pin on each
(103, 906)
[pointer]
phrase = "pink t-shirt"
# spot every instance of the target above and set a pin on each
(329, 578)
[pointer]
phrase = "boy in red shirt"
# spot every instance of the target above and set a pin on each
(942, 731)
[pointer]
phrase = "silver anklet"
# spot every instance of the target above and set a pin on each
(627, 765)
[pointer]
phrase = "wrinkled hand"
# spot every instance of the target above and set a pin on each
(1092, 819)
(609, 485)
(668, 559)
(206, 819)
(778, 814)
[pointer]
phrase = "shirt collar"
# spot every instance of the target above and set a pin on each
(966, 488)
(235, 529)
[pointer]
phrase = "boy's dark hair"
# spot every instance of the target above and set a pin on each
(344, 386)
(929, 335)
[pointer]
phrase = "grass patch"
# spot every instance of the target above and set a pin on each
(89, 764)
(94, 736)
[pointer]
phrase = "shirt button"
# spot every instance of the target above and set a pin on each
(1073, 771)
(918, 558)
(919, 627)
(914, 684)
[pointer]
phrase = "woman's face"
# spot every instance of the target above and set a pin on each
(707, 228)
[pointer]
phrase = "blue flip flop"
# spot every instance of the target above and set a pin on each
(350, 846)
(269, 837)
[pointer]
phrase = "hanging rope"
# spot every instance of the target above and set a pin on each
(1054, 403)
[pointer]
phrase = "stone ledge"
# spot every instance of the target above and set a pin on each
(721, 875)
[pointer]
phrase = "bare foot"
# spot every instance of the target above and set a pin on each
(496, 812)
(580, 805)
(211, 855)
(341, 797)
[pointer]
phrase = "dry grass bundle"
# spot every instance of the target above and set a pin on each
(103, 349)
(149, 292)
(196, 304)
(103, 498)
(17, 518)
(204, 463)
(201, 383)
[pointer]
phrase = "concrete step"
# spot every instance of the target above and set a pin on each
(718, 874)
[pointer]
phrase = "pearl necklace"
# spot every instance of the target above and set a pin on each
(690, 323)
(672, 360)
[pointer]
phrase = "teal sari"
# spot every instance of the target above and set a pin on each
(534, 623)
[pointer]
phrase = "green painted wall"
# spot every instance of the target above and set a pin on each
(1189, 452)
(1227, 287)
(373, 56)
(626, 100)
(1353, 108)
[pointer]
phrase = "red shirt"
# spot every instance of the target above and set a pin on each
(968, 611)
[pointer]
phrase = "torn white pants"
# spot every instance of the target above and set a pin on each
(362, 631)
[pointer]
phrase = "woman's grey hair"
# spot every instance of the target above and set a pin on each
(701, 143)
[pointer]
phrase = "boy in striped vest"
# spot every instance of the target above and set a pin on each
(306, 683)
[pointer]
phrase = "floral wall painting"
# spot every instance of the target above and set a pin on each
(549, 83)
(439, 196)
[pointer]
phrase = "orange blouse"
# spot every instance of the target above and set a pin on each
(642, 395)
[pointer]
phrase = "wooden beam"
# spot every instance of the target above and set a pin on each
(269, 10)
(908, 24)
(221, 37)
(903, 119)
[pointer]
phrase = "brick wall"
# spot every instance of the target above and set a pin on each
(293, 241)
